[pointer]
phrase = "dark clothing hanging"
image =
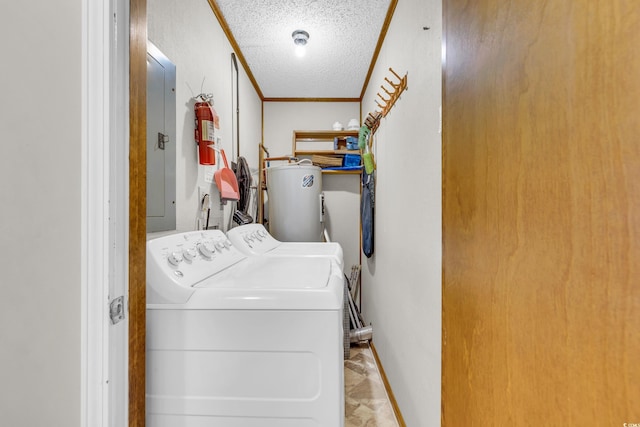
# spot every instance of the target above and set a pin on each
(367, 212)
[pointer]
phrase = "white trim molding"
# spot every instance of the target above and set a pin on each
(94, 214)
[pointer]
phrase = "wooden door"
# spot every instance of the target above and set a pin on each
(541, 213)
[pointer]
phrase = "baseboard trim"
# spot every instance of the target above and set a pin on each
(387, 386)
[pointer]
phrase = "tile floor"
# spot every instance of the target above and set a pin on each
(366, 400)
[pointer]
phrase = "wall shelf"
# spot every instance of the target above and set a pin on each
(321, 135)
(341, 172)
(310, 143)
(324, 152)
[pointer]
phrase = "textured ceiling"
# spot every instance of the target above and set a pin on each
(343, 35)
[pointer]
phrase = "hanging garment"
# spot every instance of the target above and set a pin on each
(363, 136)
(243, 174)
(367, 212)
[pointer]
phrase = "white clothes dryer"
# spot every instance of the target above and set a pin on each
(241, 341)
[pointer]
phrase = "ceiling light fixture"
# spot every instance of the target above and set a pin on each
(300, 38)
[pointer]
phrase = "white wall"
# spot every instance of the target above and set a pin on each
(402, 281)
(40, 219)
(188, 33)
(250, 120)
(282, 118)
(342, 192)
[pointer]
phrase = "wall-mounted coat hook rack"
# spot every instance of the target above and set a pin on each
(373, 119)
(398, 88)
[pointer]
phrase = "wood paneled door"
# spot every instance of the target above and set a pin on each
(541, 213)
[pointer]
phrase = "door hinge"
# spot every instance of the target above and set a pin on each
(162, 140)
(116, 309)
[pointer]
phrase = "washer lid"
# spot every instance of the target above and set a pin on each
(330, 250)
(272, 273)
(272, 283)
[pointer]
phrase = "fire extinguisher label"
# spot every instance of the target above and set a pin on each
(307, 181)
(207, 130)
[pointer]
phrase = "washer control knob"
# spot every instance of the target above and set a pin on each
(189, 253)
(262, 233)
(227, 244)
(175, 258)
(257, 236)
(207, 249)
(219, 246)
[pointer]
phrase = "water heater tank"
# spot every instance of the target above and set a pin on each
(295, 206)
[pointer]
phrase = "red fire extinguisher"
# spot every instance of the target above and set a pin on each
(206, 123)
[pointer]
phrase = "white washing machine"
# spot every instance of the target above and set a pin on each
(239, 341)
(254, 239)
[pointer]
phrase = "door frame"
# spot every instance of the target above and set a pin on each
(137, 208)
(94, 261)
(103, 237)
(104, 225)
(96, 127)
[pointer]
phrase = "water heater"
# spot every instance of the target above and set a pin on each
(295, 202)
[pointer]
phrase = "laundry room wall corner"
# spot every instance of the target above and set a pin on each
(183, 31)
(342, 192)
(402, 282)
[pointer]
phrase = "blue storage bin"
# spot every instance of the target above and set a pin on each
(351, 159)
(352, 143)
